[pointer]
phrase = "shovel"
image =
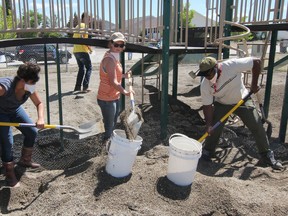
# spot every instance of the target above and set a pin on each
(78, 130)
(263, 117)
(134, 119)
(226, 116)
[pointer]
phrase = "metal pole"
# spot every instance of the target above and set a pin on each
(59, 95)
(165, 69)
(46, 84)
(271, 66)
(175, 57)
(270, 72)
(122, 55)
(227, 29)
(284, 115)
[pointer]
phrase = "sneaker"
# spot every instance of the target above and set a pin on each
(268, 159)
(77, 88)
(86, 90)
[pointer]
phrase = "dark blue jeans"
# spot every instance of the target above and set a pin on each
(83, 61)
(6, 135)
(110, 112)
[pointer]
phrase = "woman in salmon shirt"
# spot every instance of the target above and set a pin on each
(110, 88)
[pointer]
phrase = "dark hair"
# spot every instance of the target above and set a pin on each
(84, 14)
(29, 71)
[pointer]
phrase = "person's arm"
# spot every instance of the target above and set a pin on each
(40, 109)
(208, 115)
(2, 90)
(256, 70)
(90, 49)
(110, 67)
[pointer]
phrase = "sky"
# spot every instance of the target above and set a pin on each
(95, 7)
(199, 6)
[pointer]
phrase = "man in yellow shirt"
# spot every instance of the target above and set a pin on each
(81, 53)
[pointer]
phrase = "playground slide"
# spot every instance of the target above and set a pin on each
(280, 63)
(150, 64)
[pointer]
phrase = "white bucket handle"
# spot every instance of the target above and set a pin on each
(182, 135)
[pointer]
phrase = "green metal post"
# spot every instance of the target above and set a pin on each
(270, 72)
(271, 66)
(47, 85)
(227, 28)
(175, 57)
(175, 76)
(59, 94)
(165, 69)
(284, 115)
(122, 60)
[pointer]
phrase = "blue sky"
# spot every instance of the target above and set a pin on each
(199, 6)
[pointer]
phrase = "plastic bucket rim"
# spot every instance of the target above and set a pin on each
(138, 138)
(183, 151)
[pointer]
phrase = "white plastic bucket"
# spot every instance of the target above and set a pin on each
(184, 153)
(122, 154)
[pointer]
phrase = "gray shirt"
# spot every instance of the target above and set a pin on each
(8, 101)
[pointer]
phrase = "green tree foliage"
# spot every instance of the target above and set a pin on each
(31, 24)
(8, 35)
(189, 16)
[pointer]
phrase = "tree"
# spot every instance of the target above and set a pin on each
(8, 6)
(8, 35)
(31, 18)
(190, 16)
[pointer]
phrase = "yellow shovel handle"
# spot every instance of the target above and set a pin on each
(12, 124)
(226, 116)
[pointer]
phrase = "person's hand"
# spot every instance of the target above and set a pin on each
(209, 130)
(128, 74)
(127, 93)
(40, 124)
(254, 89)
(90, 50)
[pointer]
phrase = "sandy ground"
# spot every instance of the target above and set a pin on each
(73, 180)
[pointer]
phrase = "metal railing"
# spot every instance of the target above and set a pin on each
(140, 20)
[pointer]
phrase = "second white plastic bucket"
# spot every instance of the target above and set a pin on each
(122, 154)
(184, 153)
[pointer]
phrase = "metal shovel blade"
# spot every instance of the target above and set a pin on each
(92, 128)
(132, 118)
(134, 123)
(135, 129)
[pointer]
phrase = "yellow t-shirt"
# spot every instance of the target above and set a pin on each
(78, 47)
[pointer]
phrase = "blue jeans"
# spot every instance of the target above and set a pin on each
(6, 135)
(83, 60)
(110, 112)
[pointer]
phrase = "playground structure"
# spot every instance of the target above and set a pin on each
(142, 25)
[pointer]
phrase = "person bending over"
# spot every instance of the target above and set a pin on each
(221, 89)
(13, 93)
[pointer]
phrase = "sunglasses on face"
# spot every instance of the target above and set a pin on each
(118, 45)
(209, 73)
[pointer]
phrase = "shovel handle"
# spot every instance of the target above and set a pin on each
(30, 125)
(132, 101)
(227, 115)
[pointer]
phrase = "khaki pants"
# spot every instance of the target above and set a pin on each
(250, 117)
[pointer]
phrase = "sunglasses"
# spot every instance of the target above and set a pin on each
(209, 73)
(118, 45)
